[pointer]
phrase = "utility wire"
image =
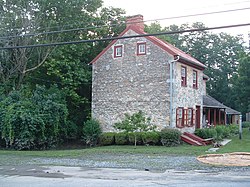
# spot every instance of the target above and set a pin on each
(124, 37)
(112, 25)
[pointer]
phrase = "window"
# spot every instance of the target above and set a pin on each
(195, 85)
(183, 76)
(189, 118)
(184, 117)
(117, 51)
(179, 117)
(141, 48)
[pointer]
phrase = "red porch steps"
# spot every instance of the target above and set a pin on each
(195, 140)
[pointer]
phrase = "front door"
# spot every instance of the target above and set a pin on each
(198, 117)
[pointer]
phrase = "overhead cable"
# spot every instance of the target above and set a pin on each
(124, 37)
(112, 25)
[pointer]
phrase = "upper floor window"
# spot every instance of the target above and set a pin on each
(141, 48)
(195, 83)
(183, 76)
(118, 51)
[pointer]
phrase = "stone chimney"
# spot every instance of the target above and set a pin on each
(135, 21)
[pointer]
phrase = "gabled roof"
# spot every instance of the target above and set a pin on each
(185, 58)
(210, 102)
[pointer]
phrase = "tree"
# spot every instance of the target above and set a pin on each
(27, 22)
(241, 85)
(134, 123)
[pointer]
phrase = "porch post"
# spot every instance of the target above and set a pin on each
(215, 117)
(225, 117)
(219, 117)
(209, 121)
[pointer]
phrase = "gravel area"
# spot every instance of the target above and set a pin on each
(155, 163)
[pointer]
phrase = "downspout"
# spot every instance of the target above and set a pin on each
(171, 89)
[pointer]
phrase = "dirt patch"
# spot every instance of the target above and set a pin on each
(227, 159)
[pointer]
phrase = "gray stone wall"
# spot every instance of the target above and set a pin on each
(187, 97)
(131, 83)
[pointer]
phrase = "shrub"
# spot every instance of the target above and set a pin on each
(121, 138)
(234, 129)
(206, 133)
(222, 132)
(135, 135)
(151, 138)
(91, 132)
(107, 138)
(170, 137)
(33, 120)
(245, 124)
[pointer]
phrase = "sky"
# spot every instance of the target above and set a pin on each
(158, 9)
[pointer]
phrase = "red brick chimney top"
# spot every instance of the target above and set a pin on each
(136, 21)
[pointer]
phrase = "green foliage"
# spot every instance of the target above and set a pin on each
(121, 138)
(222, 132)
(170, 137)
(206, 133)
(107, 138)
(136, 122)
(241, 85)
(234, 129)
(245, 124)
(151, 138)
(33, 120)
(91, 132)
(133, 135)
(218, 133)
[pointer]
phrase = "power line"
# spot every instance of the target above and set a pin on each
(122, 23)
(125, 37)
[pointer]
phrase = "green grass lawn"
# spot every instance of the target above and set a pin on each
(235, 145)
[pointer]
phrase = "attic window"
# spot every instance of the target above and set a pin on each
(141, 48)
(183, 76)
(117, 51)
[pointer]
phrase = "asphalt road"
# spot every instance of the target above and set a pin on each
(61, 176)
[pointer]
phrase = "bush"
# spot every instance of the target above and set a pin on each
(132, 136)
(121, 138)
(151, 138)
(33, 120)
(91, 132)
(222, 132)
(234, 129)
(107, 138)
(170, 137)
(206, 133)
(245, 124)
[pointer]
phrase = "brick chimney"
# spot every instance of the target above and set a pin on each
(136, 21)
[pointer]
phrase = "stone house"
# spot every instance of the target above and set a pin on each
(148, 74)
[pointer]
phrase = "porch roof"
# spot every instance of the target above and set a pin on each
(210, 102)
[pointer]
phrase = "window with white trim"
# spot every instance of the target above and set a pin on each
(179, 117)
(184, 117)
(195, 83)
(141, 48)
(183, 76)
(118, 51)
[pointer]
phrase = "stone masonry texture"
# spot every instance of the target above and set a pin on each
(134, 82)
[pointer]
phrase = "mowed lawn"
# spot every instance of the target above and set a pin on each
(236, 145)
